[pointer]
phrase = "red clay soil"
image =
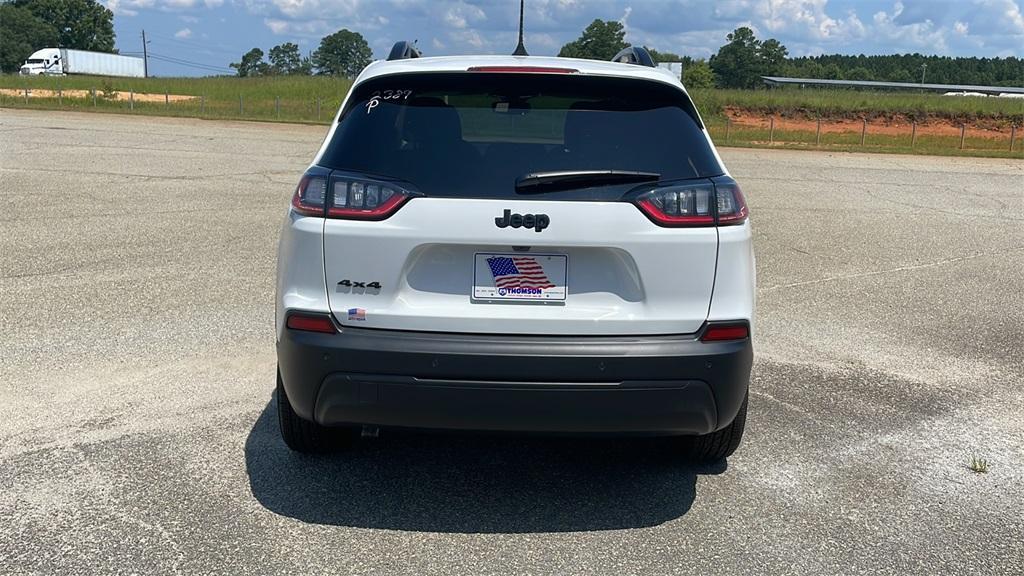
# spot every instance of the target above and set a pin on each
(83, 94)
(893, 126)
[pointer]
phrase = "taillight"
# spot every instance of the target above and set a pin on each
(363, 199)
(724, 331)
(311, 194)
(703, 203)
(338, 195)
(732, 208)
(311, 323)
(685, 205)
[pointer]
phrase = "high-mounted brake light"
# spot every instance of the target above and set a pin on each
(311, 323)
(359, 199)
(524, 69)
(726, 331)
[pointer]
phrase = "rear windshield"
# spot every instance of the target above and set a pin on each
(472, 134)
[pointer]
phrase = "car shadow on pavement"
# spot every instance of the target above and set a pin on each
(463, 483)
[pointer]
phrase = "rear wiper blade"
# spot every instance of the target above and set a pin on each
(540, 182)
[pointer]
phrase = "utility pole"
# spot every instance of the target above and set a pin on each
(145, 56)
(924, 67)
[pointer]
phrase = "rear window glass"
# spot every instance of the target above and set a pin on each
(472, 134)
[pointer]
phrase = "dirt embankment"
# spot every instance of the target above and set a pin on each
(138, 96)
(890, 124)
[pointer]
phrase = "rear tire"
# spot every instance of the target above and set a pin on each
(301, 435)
(713, 447)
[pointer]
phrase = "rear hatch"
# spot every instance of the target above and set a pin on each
(486, 202)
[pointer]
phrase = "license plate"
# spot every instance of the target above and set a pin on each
(520, 277)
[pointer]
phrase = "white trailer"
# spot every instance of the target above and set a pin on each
(61, 61)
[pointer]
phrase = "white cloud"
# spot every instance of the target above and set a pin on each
(998, 17)
(317, 8)
(544, 40)
(132, 7)
(313, 29)
(469, 37)
(807, 19)
(625, 17)
(920, 36)
(183, 34)
(460, 15)
(277, 26)
(127, 7)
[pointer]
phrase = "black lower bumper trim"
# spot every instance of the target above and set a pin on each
(651, 407)
(648, 384)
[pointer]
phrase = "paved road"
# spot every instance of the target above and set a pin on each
(137, 430)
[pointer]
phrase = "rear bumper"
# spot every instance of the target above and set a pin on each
(650, 384)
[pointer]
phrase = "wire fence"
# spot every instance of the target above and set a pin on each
(767, 131)
(864, 134)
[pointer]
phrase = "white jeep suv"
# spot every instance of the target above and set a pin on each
(510, 243)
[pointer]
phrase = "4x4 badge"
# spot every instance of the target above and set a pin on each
(536, 221)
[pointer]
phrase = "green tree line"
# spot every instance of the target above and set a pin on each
(744, 58)
(910, 68)
(344, 53)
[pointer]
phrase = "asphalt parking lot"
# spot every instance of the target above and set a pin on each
(137, 423)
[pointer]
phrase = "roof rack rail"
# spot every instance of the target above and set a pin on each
(635, 55)
(404, 50)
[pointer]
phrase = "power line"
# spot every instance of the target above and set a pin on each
(195, 66)
(193, 44)
(191, 64)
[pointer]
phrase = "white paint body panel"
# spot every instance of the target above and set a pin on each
(626, 275)
(736, 277)
(300, 268)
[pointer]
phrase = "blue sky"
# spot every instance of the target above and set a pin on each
(212, 33)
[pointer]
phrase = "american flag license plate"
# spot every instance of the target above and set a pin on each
(520, 276)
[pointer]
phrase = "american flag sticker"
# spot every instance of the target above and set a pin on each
(516, 277)
(357, 314)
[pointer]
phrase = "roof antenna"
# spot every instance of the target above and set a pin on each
(521, 48)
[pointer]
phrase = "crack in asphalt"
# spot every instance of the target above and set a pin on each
(890, 270)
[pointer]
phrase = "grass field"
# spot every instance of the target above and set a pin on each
(291, 99)
(316, 99)
(835, 104)
(936, 145)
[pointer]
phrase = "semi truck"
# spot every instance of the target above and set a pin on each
(61, 61)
